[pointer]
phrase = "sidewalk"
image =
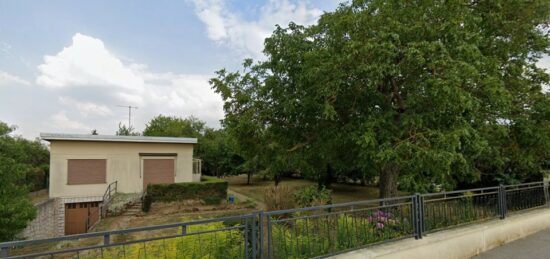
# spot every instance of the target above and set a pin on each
(536, 246)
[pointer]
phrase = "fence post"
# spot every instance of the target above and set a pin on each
(502, 207)
(417, 215)
(261, 233)
(254, 239)
(546, 194)
(269, 238)
(106, 239)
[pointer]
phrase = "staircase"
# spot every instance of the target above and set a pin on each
(134, 209)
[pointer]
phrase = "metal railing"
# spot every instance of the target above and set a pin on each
(95, 216)
(227, 237)
(108, 197)
(296, 233)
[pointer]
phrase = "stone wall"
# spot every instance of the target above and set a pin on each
(45, 223)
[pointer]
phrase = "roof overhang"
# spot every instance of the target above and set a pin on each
(111, 138)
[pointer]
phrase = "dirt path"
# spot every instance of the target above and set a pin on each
(260, 205)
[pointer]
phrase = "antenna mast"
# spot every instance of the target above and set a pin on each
(129, 113)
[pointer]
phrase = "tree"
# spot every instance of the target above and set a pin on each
(126, 131)
(33, 154)
(171, 126)
(412, 91)
(17, 158)
(215, 147)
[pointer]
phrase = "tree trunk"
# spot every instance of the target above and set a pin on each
(326, 179)
(277, 179)
(364, 180)
(388, 181)
(248, 177)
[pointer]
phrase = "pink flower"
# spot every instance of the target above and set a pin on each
(379, 225)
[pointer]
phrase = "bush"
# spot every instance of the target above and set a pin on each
(278, 198)
(312, 196)
(211, 190)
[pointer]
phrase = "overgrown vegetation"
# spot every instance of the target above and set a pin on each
(316, 236)
(313, 196)
(278, 198)
(210, 190)
(23, 168)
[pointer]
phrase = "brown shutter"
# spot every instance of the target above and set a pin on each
(86, 171)
(158, 171)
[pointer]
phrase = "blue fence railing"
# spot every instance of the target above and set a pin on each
(295, 233)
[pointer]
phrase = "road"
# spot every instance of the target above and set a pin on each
(536, 246)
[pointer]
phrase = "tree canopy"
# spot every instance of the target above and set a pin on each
(23, 167)
(422, 94)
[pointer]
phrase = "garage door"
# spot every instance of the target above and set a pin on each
(79, 216)
(158, 171)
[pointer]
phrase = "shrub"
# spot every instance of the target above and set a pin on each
(278, 198)
(211, 190)
(312, 196)
(312, 237)
(216, 244)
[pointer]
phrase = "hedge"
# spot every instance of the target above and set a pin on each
(211, 190)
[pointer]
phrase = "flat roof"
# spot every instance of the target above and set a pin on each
(113, 138)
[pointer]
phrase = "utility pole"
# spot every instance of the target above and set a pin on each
(129, 113)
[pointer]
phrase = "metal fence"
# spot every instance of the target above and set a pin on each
(295, 233)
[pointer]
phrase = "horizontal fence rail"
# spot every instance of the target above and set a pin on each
(326, 230)
(228, 237)
(295, 233)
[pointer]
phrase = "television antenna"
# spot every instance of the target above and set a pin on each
(129, 113)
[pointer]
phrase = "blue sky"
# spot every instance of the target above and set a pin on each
(65, 65)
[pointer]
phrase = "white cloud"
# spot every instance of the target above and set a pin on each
(247, 37)
(91, 79)
(86, 108)
(8, 79)
(62, 122)
(100, 67)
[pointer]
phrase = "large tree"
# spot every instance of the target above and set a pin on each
(171, 126)
(412, 90)
(18, 157)
(216, 149)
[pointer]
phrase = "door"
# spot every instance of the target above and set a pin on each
(158, 171)
(80, 216)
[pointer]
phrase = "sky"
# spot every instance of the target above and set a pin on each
(65, 66)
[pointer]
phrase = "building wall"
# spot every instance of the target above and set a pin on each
(45, 225)
(123, 165)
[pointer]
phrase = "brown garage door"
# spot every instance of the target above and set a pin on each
(158, 171)
(79, 216)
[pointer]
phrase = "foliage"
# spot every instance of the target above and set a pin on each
(218, 244)
(171, 126)
(125, 131)
(218, 152)
(423, 94)
(211, 190)
(312, 196)
(317, 236)
(33, 154)
(215, 147)
(278, 198)
(15, 207)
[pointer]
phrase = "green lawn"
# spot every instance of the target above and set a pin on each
(341, 192)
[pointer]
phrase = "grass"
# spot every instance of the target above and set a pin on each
(340, 192)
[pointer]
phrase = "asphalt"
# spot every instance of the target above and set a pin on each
(534, 246)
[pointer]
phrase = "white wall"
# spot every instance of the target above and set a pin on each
(123, 165)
